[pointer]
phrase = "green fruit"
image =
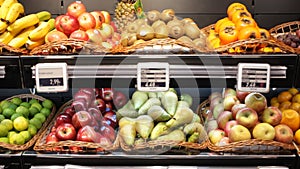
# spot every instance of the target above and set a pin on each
(41, 117)
(23, 110)
(11, 133)
(26, 135)
(3, 130)
(20, 123)
(4, 140)
(33, 101)
(8, 123)
(2, 117)
(4, 104)
(32, 130)
(37, 105)
(12, 106)
(25, 104)
(17, 139)
(45, 111)
(47, 104)
(16, 101)
(14, 116)
(1, 109)
(36, 122)
(8, 112)
(33, 111)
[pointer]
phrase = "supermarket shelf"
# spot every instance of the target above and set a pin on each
(10, 75)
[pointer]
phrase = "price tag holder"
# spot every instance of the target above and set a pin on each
(51, 77)
(153, 76)
(253, 77)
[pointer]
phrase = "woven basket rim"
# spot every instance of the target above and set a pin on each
(65, 146)
(33, 140)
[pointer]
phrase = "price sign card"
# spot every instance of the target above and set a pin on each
(253, 77)
(51, 77)
(153, 76)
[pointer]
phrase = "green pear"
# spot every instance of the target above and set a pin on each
(186, 97)
(127, 111)
(184, 116)
(128, 133)
(169, 101)
(194, 138)
(158, 113)
(149, 103)
(152, 95)
(196, 118)
(138, 99)
(181, 104)
(126, 120)
(158, 130)
(144, 126)
(176, 135)
(193, 128)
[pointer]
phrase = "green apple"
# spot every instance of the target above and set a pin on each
(22, 110)
(11, 133)
(37, 105)
(264, 131)
(33, 111)
(20, 123)
(239, 133)
(16, 101)
(32, 129)
(8, 123)
(3, 130)
(4, 140)
(26, 135)
(8, 112)
(12, 106)
(2, 117)
(33, 101)
(47, 104)
(41, 117)
(17, 139)
(25, 104)
(45, 111)
(4, 103)
(14, 116)
(36, 122)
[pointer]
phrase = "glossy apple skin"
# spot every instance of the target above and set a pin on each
(283, 133)
(120, 99)
(216, 135)
(65, 131)
(108, 106)
(56, 23)
(96, 113)
(86, 21)
(104, 141)
(229, 92)
(264, 131)
(229, 125)
(68, 24)
(107, 94)
(215, 101)
(69, 111)
(81, 119)
(110, 118)
(239, 133)
(63, 118)
(247, 117)
(241, 95)
(54, 36)
(51, 138)
(271, 115)
(87, 134)
(106, 31)
(76, 8)
(80, 35)
(83, 95)
(223, 118)
(236, 108)
(256, 101)
(79, 105)
(107, 18)
(229, 101)
(108, 131)
(99, 17)
(94, 36)
(100, 104)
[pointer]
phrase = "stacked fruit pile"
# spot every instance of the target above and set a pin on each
(89, 118)
(238, 25)
(78, 23)
(162, 25)
(20, 120)
(21, 31)
(236, 116)
(291, 39)
(159, 116)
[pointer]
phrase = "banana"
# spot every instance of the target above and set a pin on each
(51, 23)
(44, 15)
(32, 44)
(22, 38)
(6, 37)
(22, 23)
(5, 8)
(39, 32)
(3, 26)
(14, 12)
(1, 2)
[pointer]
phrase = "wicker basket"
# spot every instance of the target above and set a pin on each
(69, 145)
(159, 46)
(288, 27)
(251, 46)
(6, 50)
(252, 146)
(27, 145)
(68, 47)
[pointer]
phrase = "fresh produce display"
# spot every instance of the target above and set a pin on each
(291, 39)
(236, 116)
(162, 116)
(23, 31)
(78, 23)
(89, 118)
(162, 25)
(20, 120)
(124, 13)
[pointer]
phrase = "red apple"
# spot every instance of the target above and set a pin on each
(100, 104)
(94, 36)
(219, 108)
(229, 102)
(119, 99)
(86, 21)
(107, 18)
(210, 125)
(110, 118)
(55, 35)
(223, 118)
(214, 101)
(271, 115)
(87, 134)
(96, 113)
(81, 119)
(106, 31)
(62, 118)
(241, 95)
(99, 17)
(214, 95)
(247, 117)
(256, 101)
(114, 26)
(68, 24)
(107, 94)
(65, 131)
(108, 106)
(236, 108)
(76, 8)
(51, 138)
(79, 104)
(83, 95)
(108, 131)
(283, 133)
(56, 23)
(80, 35)
(89, 91)
(104, 141)
(228, 92)
(228, 126)
(69, 111)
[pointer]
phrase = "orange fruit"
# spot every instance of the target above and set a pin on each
(291, 118)
(276, 105)
(273, 101)
(284, 96)
(296, 98)
(293, 91)
(285, 105)
(295, 106)
(297, 136)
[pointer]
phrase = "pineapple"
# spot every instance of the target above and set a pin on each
(124, 13)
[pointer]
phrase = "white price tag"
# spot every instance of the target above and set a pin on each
(153, 76)
(51, 77)
(253, 77)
